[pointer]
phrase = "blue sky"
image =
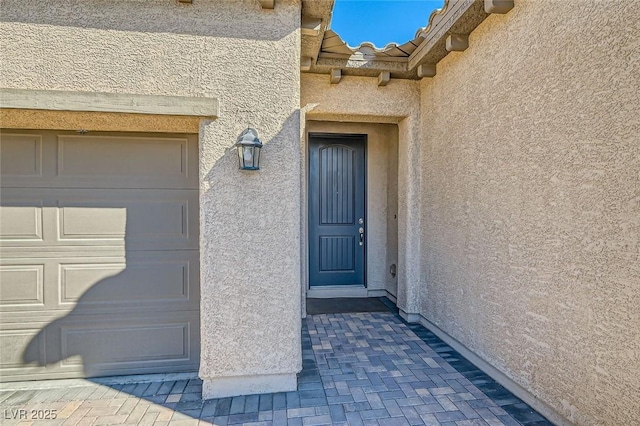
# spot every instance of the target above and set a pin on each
(381, 21)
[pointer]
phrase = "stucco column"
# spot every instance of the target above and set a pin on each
(250, 220)
(408, 301)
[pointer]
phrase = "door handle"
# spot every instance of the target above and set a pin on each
(361, 231)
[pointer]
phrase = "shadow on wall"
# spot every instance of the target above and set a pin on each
(237, 19)
(250, 242)
(245, 191)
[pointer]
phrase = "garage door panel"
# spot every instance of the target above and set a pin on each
(147, 281)
(100, 221)
(85, 344)
(140, 219)
(22, 285)
(21, 220)
(93, 346)
(141, 281)
(150, 220)
(128, 343)
(29, 289)
(98, 160)
(20, 346)
(122, 157)
(21, 155)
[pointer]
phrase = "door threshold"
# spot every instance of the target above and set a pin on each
(325, 292)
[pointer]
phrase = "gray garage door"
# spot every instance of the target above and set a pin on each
(99, 254)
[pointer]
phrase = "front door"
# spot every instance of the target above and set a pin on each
(337, 220)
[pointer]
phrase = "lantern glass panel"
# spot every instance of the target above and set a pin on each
(256, 157)
(240, 158)
(248, 147)
(248, 155)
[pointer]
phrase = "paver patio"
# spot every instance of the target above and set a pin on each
(358, 369)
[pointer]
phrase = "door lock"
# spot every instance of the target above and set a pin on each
(361, 231)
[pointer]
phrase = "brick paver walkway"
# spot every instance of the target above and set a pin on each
(359, 369)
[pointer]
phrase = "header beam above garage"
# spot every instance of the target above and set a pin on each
(58, 100)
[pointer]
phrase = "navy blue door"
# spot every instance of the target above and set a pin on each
(337, 224)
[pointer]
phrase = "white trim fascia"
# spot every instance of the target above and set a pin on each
(60, 100)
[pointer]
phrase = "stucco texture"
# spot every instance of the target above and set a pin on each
(361, 100)
(530, 202)
(247, 58)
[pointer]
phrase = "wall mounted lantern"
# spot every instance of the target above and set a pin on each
(249, 150)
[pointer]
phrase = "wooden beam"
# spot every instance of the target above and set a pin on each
(336, 76)
(457, 42)
(340, 61)
(305, 63)
(498, 6)
(353, 58)
(426, 70)
(268, 4)
(383, 78)
(466, 13)
(59, 100)
(310, 26)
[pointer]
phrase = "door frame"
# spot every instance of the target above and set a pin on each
(337, 290)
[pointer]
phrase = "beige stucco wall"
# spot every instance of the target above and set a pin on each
(382, 139)
(247, 58)
(391, 281)
(361, 100)
(531, 202)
